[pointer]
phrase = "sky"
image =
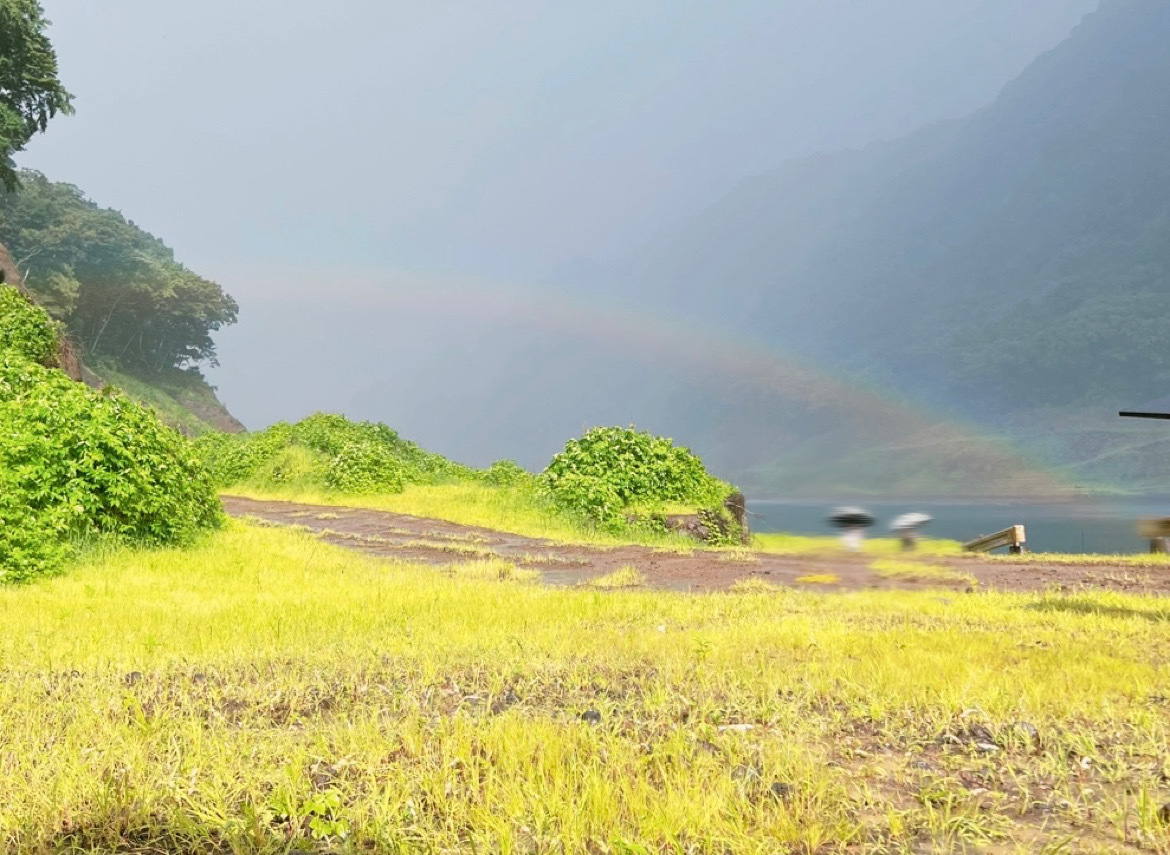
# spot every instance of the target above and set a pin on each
(281, 145)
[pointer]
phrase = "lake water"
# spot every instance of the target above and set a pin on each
(1090, 526)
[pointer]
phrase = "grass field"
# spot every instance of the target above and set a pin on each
(267, 692)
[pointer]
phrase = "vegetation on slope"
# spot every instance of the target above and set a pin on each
(138, 318)
(75, 462)
(280, 694)
(117, 289)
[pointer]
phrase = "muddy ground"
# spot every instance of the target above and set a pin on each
(440, 543)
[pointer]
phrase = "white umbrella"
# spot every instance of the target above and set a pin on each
(910, 521)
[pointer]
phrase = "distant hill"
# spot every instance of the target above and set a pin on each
(1008, 265)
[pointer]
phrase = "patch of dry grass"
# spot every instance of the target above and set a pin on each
(918, 571)
(623, 577)
(754, 585)
(492, 570)
(819, 579)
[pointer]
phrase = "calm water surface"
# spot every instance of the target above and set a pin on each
(1094, 526)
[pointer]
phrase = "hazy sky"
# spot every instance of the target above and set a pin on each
(490, 137)
(277, 144)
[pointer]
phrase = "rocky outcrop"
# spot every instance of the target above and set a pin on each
(719, 525)
(9, 273)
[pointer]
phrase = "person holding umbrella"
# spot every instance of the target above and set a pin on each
(853, 522)
(907, 526)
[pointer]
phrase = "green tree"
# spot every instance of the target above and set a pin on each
(118, 289)
(30, 93)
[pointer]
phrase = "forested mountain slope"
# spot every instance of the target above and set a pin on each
(1019, 257)
(135, 316)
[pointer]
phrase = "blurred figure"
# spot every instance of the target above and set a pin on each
(907, 527)
(853, 522)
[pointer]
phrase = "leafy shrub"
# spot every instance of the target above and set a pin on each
(588, 497)
(32, 541)
(610, 469)
(354, 457)
(295, 467)
(25, 329)
(79, 462)
(329, 433)
(364, 467)
(506, 473)
(232, 458)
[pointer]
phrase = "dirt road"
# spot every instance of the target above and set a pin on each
(440, 543)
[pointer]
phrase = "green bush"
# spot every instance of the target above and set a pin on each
(32, 542)
(638, 466)
(25, 329)
(364, 467)
(610, 470)
(329, 433)
(77, 462)
(588, 497)
(294, 467)
(506, 473)
(233, 458)
(349, 454)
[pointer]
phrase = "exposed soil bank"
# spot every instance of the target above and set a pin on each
(440, 543)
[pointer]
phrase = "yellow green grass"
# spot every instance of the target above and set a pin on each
(267, 692)
(819, 579)
(507, 509)
(798, 544)
(919, 571)
(1142, 559)
(494, 570)
(754, 585)
(624, 577)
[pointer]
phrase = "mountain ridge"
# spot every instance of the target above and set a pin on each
(997, 267)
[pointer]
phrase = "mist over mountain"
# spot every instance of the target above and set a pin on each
(491, 140)
(1017, 257)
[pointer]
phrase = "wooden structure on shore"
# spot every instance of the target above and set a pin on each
(1013, 537)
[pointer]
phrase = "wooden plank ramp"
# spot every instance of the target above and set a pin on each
(1013, 537)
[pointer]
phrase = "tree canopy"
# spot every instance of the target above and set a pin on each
(30, 92)
(117, 289)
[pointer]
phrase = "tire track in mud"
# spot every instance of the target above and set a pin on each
(439, 543)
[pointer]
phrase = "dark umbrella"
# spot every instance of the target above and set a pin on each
(851, 518)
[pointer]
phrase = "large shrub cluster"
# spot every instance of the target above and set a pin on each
(76, 462)
(610, 471)
(345, 456)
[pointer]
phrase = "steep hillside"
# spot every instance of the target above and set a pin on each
(1006, 266)
(131, 315)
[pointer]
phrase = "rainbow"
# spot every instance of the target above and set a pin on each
(873, 417)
